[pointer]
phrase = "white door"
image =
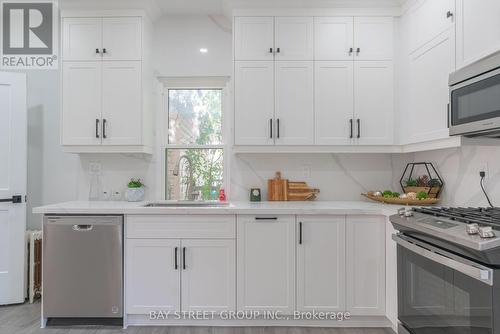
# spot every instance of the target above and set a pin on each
(13, 173)
(254, 103)
(365, 265)
(294, 38)
(266, 263)
(321, 263)
(121, 103)
(334, 102)
(478, 29)
(373, 38)
(82, 38)
(294, 103)
(374, 102)
(254, 38)
(152, 275)
(333, 38)
(209, 275)
(81, 114)
(121, 38)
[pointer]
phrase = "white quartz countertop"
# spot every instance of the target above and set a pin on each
(298, 208)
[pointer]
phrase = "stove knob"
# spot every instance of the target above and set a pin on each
(472, 228)
(486, 232)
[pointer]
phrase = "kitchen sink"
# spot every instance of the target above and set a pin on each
(187, 204)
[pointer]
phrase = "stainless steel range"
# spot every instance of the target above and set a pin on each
(448, 270)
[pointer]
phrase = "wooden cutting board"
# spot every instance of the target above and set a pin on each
(277, 188)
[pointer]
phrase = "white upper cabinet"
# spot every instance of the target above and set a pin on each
(333, 38)
(373, 38)
(254, 102)
(428, 19)
(374, 102)
(294, 103)
(478, 29)
(121, 38)
(321, 263)
(254, 38)
(334, 102)
(82, 38)
(294, 38)
(121, 101)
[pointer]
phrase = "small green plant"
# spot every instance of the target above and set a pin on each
(135, 183)
(411, 182)
(387, 193)
(434, 183)
(395, 194)
(422, 195)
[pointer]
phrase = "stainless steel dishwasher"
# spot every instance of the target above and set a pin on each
(83, 267)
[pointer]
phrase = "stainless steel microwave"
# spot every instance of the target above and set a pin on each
(474, 108)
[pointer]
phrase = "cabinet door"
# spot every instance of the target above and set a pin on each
(373, 38)
(365, 265)
(429, 69)
(294, 103)
(209, 276)
(266, 263)
(81, 100)
(254, 38)
(333, 38)
(152, 280)
(254, 103)
(374, 102)
(321, 263)
(334, 102)
(122, 103)
(122, 38)
(294, 38)
(81, 37)
(478, 29)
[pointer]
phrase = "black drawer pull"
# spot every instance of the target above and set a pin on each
(266, 218)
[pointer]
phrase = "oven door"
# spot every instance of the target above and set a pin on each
(475, 105)
(439, 292)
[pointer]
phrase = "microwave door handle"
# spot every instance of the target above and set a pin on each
(484, 275)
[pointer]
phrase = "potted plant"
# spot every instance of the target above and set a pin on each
(135, 190)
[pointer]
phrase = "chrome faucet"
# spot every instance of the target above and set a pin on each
(191, 193)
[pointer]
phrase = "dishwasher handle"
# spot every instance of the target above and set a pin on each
(83, 228)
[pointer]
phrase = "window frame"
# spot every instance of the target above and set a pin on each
(172, 83)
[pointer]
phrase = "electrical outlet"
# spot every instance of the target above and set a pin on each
(306, 171)
(95, 168)
(483, 167)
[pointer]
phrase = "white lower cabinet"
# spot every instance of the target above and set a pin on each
(365, 265)
(321, 263)
(266, 263)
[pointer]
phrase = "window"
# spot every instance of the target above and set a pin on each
(194, 153)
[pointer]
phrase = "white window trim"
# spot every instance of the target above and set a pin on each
(221, 83)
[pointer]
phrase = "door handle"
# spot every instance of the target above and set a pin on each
(449, 14)
(104, 128)
(350, 51)
(184, 258)
(97, 51)
(83, 228)
(278, 50)
(97, 128)
(14, 199)
(359, 127)
(300, 233)
(104, 51)
(271, 128)
(358, 50)
(270, 50)
(176, 265)
(350, 123)
(278, 128)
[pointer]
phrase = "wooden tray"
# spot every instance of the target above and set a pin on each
(402, 201)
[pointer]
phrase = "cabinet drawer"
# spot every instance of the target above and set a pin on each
(180, 226)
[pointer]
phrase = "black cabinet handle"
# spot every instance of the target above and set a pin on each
(266, 218)
(359, 127)
(350, 123)
(278, 128)
(104, 128)
(271, 128)
(14, 199)
(300, 233)
(278, 50)
(184, 258)
(449, 14)
(358, 50)
(176, 265)
(97, 128)
(104, 50)
(270, 50)
(350, 51)
(97, 51)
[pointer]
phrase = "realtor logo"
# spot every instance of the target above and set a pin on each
(28, 34)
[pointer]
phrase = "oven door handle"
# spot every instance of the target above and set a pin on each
(480, 273)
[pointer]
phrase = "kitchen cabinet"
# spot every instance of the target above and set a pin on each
(105, 91)
(478, 29)
(365, 265)
(333, 38)
(254, 38)
(266, 263)
(373, 102)
(153, 279)
(95, 38)
(254, 102)
(373, 38)
(321, 263)
(294, 104)
(294, 38)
